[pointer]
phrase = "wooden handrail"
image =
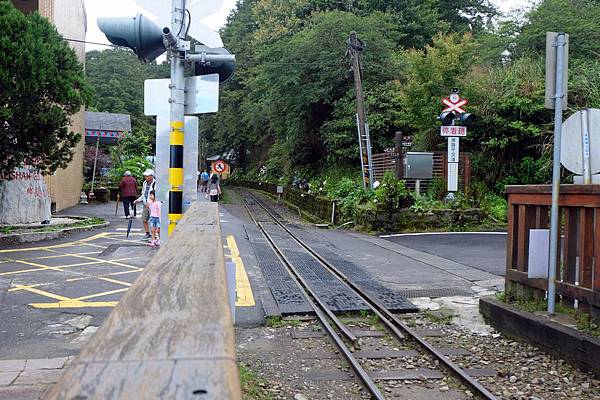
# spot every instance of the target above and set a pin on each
(171, 335)
(579, 242)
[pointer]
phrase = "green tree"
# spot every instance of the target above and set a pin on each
(429, 76)
(579, 18)
(118, 78)
(42, 83)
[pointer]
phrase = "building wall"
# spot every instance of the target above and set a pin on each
(69, 17)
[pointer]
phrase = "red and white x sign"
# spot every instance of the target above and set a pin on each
(454, 106)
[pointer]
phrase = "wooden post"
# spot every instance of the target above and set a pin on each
(399, 155)
(467, 170)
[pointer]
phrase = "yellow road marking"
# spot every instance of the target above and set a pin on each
(60, 268)
(14, 289)
(112, 262)
(115, 281)
(66, 302)
(42, 293)
(124, 240)
(75, 304)
(244, 296)
(91, 296)
(103, 276)
(56, 246)
(88, 244)
(40, 267)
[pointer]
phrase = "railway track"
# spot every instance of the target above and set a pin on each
(343, 337)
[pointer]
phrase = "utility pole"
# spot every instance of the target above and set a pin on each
(355, 46)
(559, 95)
(177, 103)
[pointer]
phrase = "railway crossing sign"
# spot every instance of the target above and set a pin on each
(454, 111)
(454, 104)
(453, 131)
(161, 16)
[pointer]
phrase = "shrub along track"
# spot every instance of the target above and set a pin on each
(397, 339)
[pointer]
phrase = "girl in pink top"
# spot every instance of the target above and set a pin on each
(154, 221)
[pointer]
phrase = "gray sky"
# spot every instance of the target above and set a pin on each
(128, 8)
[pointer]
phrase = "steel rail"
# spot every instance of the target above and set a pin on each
(392, 322)
(322, 311)
(342, 327)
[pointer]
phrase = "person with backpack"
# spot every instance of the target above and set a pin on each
(148, 186)
(204, 177)
(213, 188)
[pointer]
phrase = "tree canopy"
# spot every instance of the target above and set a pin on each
(118, 78)
(290, 107)
(42, 84)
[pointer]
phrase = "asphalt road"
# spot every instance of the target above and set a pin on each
(54, 294)
(486, 252)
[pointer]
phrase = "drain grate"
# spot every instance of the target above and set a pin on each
(435, 292)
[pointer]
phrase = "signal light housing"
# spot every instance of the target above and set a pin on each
(215, 64)
(140, 34)
(447, 118)
(467, 118)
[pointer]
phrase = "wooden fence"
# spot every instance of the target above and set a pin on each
(578, 277)
(383, 162)
(314, 205)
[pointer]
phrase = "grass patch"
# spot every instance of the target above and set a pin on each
(6, 230)
(85, 223)
(52, 228)
(583, 321)
(278, 322)
(442, 317)
(225, 197)
(253, 387)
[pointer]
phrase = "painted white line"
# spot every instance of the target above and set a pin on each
(441, 233)
(132, 229)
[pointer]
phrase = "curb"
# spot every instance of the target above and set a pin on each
(40, 236)
(554, 338)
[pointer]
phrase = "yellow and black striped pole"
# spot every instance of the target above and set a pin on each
(176, 139)
(177, 106)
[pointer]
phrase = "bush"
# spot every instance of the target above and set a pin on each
(392, 193)
(436, 189)
(135, 165)
(496, 207)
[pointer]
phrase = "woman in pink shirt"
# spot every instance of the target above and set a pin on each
(154, 221)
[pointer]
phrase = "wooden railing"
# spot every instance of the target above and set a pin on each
(578, 275)
(171, 336)
(383, 162)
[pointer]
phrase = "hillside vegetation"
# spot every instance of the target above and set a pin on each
(290, 107)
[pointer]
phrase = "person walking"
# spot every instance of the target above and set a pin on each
(204, 177)
(148, 186)
(213, 188)
(128, 188)
(154, 207)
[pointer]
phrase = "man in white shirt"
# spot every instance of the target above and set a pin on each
(147, 187)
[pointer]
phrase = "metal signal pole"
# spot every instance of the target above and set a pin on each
(554, 211)
(177, 100)
(355, 46)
